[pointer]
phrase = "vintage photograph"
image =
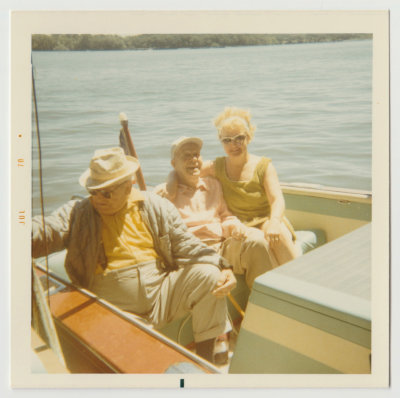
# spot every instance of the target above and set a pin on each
(201, 202)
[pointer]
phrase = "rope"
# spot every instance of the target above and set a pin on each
(39, 296)
(181, 328)
(41, 181)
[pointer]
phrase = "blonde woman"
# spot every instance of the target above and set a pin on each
(250, 183)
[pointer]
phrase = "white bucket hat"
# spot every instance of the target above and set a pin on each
(182, 141)
(107, 167)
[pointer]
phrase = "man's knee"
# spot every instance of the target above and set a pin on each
(207, 274)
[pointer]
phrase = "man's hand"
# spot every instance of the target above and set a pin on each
(225, 284)
(239, 231)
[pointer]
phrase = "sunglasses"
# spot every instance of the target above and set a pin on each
(237, 139)
(105, 193)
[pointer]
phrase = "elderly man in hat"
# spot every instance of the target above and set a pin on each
(202, 207)
(132, 249)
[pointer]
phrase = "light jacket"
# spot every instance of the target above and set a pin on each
(76, 226)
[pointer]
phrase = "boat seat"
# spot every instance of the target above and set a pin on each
(310, 239)
(181, 329)
(306, 240)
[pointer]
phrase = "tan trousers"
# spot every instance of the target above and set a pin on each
(251, 256)
(162, 297)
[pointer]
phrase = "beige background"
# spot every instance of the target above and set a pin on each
(23, 24)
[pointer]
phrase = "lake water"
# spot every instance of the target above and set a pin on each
(311, 103)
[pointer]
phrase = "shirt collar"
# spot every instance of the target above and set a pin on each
(134, 197)
(200, 185)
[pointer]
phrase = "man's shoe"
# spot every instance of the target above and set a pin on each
(214, 350)
(221, 350)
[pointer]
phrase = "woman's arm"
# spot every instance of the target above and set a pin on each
(274, 194)
(208, 168)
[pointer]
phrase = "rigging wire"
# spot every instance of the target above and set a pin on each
(37, 288)
(40, 181)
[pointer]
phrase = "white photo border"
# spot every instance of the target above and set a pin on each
(26, 23)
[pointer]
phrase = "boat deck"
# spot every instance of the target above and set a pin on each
(312, 315)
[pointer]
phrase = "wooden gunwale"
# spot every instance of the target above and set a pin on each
(108, 340)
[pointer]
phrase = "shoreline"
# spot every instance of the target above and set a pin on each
(147, 42)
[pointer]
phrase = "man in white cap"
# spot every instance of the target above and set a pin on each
(202, 207)
(132, 249)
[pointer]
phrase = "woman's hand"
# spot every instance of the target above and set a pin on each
(272, 230)
(225, 284)
(208, 168)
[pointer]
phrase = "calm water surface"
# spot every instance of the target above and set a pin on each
(311, 104)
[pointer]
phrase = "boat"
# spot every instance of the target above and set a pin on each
(311, 315)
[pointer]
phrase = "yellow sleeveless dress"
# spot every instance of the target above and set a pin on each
(247, 200)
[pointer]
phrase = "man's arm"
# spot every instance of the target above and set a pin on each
(57, 231)
(161, 190)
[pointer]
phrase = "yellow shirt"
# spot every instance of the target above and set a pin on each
(126, 239)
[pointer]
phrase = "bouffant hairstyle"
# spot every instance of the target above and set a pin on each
(234, 119)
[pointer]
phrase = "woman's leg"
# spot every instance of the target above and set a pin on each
(251, 256)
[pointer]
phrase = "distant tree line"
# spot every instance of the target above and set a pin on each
(169, 41)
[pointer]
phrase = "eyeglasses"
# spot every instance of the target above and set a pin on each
(237, 139)
(105, 193)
